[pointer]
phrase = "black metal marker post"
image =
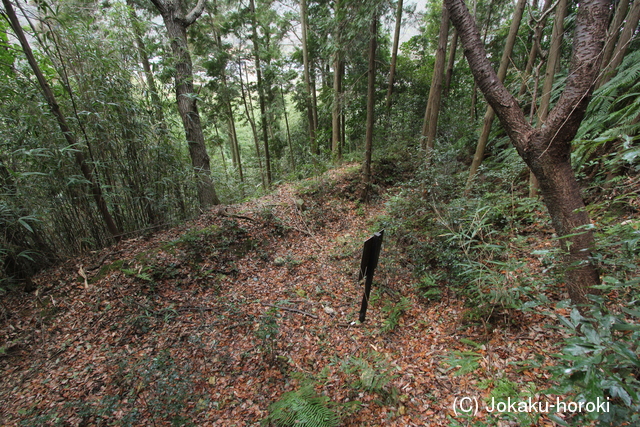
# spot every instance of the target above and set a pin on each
(370, 255)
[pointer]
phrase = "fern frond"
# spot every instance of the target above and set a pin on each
(302, 408)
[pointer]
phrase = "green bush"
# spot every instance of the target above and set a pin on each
(599, 359)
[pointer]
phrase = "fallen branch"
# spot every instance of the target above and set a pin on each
(294, 310)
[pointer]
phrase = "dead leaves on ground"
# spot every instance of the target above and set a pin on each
(182, 320)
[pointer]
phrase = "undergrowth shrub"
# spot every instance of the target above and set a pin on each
(599, 360)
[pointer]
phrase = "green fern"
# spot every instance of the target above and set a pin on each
(612, 113)
(373, 373)
(302, 408)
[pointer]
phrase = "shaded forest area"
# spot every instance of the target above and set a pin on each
(186, 187)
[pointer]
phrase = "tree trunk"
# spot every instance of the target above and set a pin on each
(547, 150)
(286, 123)
(371, 101)
(453, 46)
(307, 77)
(261, 93)
(336, 148)
(226, 102)
(430, 124)
(535, 46)
(394, 53)
(614, 31)
(553, 60)
(490, 114)
(248, 108)
(86, 169)
(336, 108)
(623, 44)
(176, 24)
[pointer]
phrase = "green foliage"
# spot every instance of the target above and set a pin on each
(267, 332)
(394, 312)
(464, 361)
(606, 145)
(600, 358)
(303, 408)
(371, 373)
(429, 288)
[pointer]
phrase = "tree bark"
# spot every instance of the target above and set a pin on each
(453, 46)
(430, 124)
(371, 101)
(261, 93)
(248, 108)
(394, 53)
(176, 24)
(623, 44)
(307, 77)
(553, 60)
(547, 151)
(490, 114)
(87, 172)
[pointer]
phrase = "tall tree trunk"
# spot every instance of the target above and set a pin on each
(612, 34)
(502, 73)
(453, 46)
(553, 60)
(630, 26)
(226, 102)
(233, 136)
(343, 121)
(261, 93)
(176, 24)
(371, 102)
(547, 150)
(394, 53)
(307, 77)
(336, 148)
(248, 108)
(286, 123)
(86, 169)
(430, 124)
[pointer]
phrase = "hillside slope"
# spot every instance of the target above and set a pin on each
(210, 323)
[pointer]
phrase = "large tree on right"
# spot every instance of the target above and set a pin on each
(547, 150)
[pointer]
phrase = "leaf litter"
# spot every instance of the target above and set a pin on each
(211, 322)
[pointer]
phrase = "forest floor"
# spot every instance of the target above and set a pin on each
(211, 322)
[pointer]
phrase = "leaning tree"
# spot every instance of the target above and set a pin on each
(547, 149)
